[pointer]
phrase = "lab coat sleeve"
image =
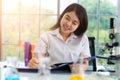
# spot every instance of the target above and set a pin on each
(85, 45)
(42, 44)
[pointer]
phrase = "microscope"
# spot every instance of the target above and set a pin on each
(114, 48)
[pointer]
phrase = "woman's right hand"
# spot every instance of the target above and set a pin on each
(33, 63)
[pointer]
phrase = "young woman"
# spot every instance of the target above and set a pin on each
(66, 40)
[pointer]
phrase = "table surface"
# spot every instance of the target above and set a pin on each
(61, 76)
(66, 76)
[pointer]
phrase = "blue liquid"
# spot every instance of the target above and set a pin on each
(119, 78)
(11, 78)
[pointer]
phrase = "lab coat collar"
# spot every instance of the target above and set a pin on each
(57, 33)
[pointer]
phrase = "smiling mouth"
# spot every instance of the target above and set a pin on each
(65, 28)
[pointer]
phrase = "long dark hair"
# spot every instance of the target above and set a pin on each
(81, 14)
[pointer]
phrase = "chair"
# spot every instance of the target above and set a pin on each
(92, 51)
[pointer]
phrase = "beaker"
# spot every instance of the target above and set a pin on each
(77, 70)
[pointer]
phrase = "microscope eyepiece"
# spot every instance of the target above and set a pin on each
(111, 23)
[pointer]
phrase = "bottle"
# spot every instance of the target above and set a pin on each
(11, 72)
(77, 70)
(44, 68)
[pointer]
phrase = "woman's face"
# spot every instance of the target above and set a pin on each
(69, 23)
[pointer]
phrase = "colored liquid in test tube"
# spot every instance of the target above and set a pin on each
(77, 77)
(78, 70)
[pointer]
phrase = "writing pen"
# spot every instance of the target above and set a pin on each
(67, 63)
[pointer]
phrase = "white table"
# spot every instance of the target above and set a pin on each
(60, 76)
(92, 76)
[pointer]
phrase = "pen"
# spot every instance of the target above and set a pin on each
(90, 58)
(61, 65)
